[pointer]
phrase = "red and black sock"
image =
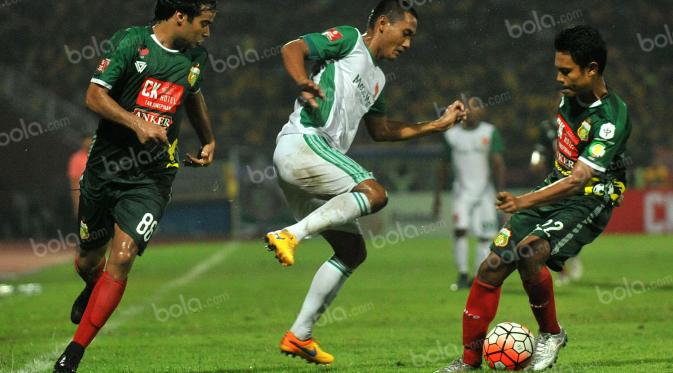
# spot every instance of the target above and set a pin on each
(482, 305)
(540, 290)
(104, 300)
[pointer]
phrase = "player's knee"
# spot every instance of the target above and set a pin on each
(376, 194)
(494, 270)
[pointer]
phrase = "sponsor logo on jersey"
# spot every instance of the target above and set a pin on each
(583, 131)
(502, 239)
(607, 131)
(364, 92)
(103, 65)
(563, 163)
(597, 150)
(161, 96)
(140, 66)
(154, 118)
(567, 140)
(333, 34)
(193, 76)
(83, 231)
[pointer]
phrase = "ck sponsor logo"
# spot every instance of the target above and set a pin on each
(162, 96)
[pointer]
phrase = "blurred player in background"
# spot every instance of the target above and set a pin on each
(76, 166)
(568, 211)
(541, 160)
(139, 91)
(475, 151)
(326, 190)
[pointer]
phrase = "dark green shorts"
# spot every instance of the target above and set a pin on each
(137, 209)
(568, 225)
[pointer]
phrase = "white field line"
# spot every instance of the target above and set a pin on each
(45, 361)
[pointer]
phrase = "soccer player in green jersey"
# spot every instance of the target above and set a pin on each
(326, 190)
(569, 210)
(139, 90)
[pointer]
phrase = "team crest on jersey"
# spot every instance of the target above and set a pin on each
(193, 76)
(583, 131)
(333, 34)
(502, 240)
(103, 65)
(83, 231)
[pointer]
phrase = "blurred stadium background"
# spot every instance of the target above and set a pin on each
(497, 53)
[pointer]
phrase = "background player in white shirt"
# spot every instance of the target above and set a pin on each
(326, 190)
(475, 151)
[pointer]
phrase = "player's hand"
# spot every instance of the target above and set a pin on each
(146, 131)
(309, 92)
(507, 202)
(453, 114)
(204, 159)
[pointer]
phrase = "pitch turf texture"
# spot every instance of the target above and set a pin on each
(223, 307)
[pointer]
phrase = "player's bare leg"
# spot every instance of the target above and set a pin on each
(89, 265)
(104, 299)
(350, 252)
(533, 253)
(480, 310)
(366, 198)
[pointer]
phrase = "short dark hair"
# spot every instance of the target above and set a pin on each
(584, 44)
(393, 9)
(192, 8)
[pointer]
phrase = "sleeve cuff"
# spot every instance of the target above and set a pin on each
(592, 165)
(101, 83)
(195, 92)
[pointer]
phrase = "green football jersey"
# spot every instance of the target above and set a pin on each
(594, 134)
(151, 81)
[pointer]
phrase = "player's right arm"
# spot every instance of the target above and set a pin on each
(333, 44)
(294, 54)
(99, 101)
(111, 71)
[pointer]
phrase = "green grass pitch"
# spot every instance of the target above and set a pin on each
(223, 307)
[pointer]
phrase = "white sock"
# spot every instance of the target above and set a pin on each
(483, 249)
(339, 210)
(460, 246)
(324, 288)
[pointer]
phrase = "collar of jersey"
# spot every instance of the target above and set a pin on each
(154, 37)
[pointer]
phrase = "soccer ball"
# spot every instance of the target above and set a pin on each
(508, 346)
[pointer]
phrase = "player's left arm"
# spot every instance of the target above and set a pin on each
(607, 140)
(381, 128)
(566, 187)
(197, 111)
